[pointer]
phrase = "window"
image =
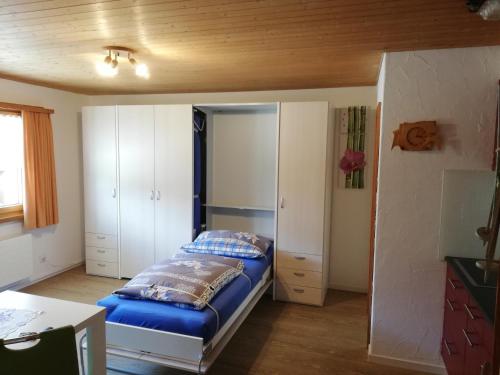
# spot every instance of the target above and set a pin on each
(11, 166)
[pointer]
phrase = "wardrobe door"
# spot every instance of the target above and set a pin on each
(173, 178)
(301, 180)
(137, 191)
(99, 169)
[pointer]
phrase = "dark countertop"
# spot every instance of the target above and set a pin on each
(484, 297)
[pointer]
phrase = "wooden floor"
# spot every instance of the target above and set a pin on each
(276, 338)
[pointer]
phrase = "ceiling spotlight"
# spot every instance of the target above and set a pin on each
(141, 70)
(107, 59)
(131, 59)
(109, 68)
(114, 63)
(106, 70)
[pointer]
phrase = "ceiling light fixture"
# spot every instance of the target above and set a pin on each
(106, 70)
(141, 70)
(131, 59)
(109, 68)
(108, 59)
(114, 63)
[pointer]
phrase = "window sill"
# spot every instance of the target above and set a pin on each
(11, 216)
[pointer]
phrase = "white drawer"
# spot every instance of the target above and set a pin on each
(101, 268)
(101, 253)
(300, 294)
(101, 240)
(300, 277)
(300, 261)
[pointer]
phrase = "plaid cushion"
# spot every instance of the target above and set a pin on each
(229, 243)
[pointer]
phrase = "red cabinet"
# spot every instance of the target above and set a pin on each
(467, 343)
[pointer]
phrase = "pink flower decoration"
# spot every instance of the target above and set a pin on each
(352, 161)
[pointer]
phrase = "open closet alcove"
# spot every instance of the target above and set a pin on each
(236, 164)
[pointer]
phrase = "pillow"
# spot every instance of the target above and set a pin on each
(186, 280)
(229, 243)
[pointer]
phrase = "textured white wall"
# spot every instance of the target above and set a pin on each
(351, 215)
(458, 89)
(61, 245)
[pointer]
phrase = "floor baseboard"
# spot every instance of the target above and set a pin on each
(406, 364)
(29, 282)
(347, 288)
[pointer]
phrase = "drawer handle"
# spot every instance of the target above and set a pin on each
(101, 237)
(296, 290)
(101, 251)
(300, 258)
(485, 368)
(469, 312)
(447, 347)
(450, 303)
(299, 274)
(453, 285)
(101, 264)
(467, 338)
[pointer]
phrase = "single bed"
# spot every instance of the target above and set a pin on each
(184, 338)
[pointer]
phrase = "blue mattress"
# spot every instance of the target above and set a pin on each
(165, 317)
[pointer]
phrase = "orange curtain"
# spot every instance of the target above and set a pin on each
(40, 203)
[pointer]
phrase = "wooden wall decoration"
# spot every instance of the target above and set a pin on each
(417, 136)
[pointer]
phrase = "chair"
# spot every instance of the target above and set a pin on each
(55, 353)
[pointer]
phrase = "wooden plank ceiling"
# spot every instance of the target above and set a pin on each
(225, 45)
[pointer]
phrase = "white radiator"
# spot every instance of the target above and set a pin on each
(16, 259)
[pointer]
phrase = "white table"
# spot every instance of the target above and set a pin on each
(59, 313)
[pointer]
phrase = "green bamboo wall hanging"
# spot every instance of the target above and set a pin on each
(352, 143)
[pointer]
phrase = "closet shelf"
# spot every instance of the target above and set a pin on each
(239, 207)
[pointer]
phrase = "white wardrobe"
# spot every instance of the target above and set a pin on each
(143, 213)
(100, 179)
(269, 170)
(305, 200)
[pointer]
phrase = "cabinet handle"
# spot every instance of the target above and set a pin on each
(300, 258)
(101, 237)
(450, 303)
(467, 338)
(453, 285)
(298, 274)
(485, 368)
(113, 193)
(282, 202)
(447, 347)
(296, 290)
(101, 265)
(158, 196)
(152, 196)
(469, 312)
(101, 251)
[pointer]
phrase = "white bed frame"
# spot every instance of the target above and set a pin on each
(176, 350)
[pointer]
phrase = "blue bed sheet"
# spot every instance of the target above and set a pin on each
(165, 317)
